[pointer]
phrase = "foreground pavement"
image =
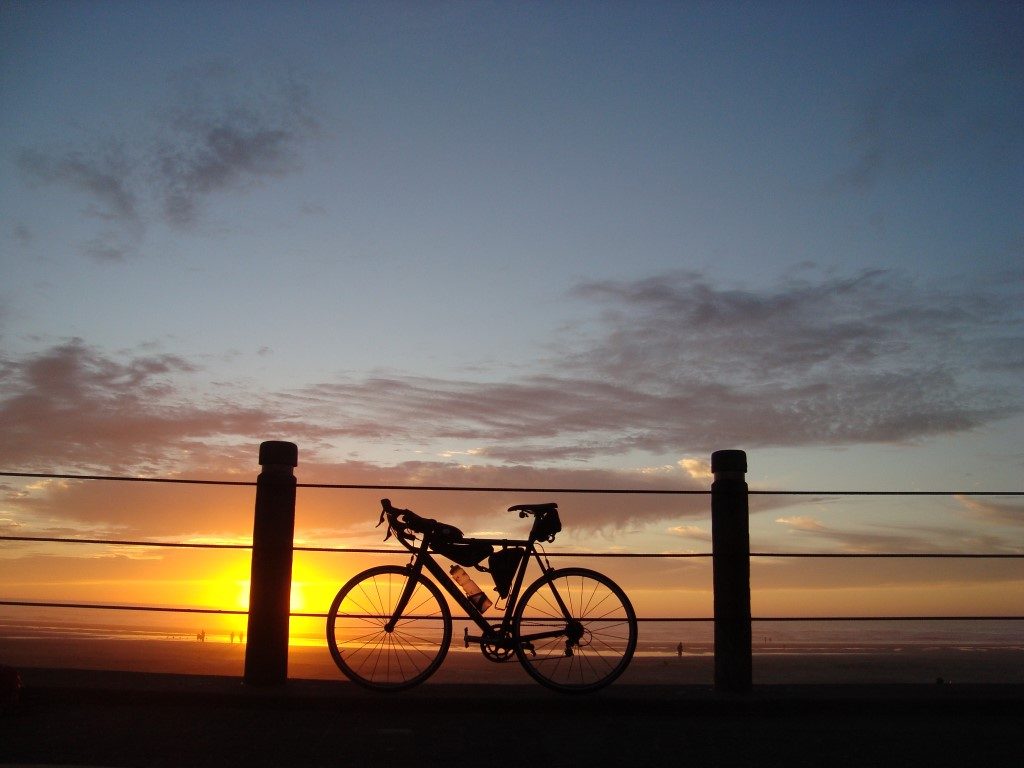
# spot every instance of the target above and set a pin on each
(74, 717)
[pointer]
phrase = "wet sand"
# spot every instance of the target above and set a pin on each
(884, 666)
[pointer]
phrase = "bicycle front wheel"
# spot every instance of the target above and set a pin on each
(363, 647)
(574, 630)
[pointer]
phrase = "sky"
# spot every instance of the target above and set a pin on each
(546, 245)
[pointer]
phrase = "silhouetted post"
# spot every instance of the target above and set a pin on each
(270, 585)
(730, 546)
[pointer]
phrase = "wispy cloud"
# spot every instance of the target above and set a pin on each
(678, 364)
(102, 176)
(213, 143)
(212, 140)
(953, 101)
(895, 539)
(994, 512)
(801, 523)
(675, 365)
(75, 405)
(694, 532)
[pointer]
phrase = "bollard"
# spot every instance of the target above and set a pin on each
(730, 546)
(270, 585)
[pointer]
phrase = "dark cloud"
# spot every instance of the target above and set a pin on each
(104, 177)
(677, 364)
(218, 136)
(214, 143)
(72, 405)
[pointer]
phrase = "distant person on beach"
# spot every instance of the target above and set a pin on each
(679, 650)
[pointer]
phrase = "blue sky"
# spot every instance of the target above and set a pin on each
(520, 243)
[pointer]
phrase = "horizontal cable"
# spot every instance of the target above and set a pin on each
(306, 615)
(885, 493)
(107, 607)
(939, 555)
(887, 618)
(392, 551)
(118, 542)
(125, 479)
(505, 489)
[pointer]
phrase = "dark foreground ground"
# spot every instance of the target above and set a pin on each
(98, 718)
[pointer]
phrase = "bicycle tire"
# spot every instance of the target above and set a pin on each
(370, 655)
(605, 624)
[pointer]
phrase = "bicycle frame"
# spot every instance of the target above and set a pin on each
(423, 558)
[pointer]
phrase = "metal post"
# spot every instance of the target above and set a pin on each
(730, 546)
(270, 585)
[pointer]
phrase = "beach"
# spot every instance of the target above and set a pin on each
(179, 701)
(907, 664)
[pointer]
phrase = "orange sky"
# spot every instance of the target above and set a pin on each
(205, 578)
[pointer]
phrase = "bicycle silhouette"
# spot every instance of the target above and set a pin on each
(389, 628)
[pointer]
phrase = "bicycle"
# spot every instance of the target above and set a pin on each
(389, 627)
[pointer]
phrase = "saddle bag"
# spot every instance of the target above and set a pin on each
(546, 525)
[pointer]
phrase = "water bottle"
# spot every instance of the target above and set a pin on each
(476, 595)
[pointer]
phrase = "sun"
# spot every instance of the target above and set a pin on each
(312, 589)
(296, 599)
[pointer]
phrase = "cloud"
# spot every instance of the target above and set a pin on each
(104, 177)
(896, 539)
(673, 365)
(74, 405)
(676, 364)
(212, 145)
(222, 134)
(994, 512)
(698, 469)
(801, 523)
(959, 101)
(75, 408)
(56, 507)
(690, 532)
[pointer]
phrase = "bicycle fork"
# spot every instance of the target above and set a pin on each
(403, 601)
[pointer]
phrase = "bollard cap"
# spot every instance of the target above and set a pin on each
(279, 452)
(728, 461)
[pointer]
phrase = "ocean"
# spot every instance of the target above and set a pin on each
(655, 637)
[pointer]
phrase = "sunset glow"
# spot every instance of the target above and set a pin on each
(502, 245)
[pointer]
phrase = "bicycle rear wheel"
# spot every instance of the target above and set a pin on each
(366, 651)
(583, 647)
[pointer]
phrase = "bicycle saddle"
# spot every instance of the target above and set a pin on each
(535, 509)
